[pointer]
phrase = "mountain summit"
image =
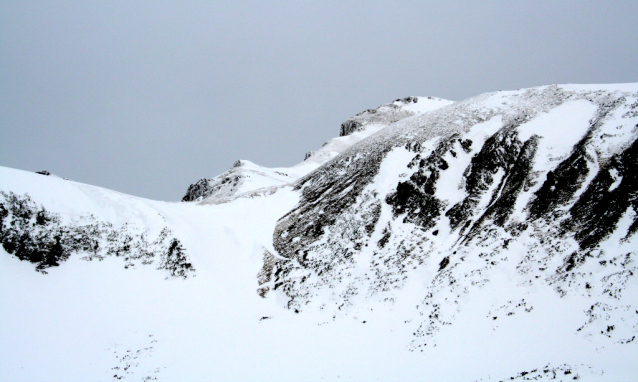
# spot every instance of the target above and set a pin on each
(488, 239)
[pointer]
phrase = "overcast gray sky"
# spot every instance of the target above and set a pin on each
(147, 97)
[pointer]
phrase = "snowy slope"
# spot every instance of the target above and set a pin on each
(78, 322)
(526, 194)
(488, 239)
(245, 176)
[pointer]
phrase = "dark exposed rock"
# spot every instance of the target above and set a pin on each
(608, 197)
(197, 191)
(574, 260)
(549, 373)
(562, 183)
(444, 263)
(467, 145)
(176, 261)
(266, 273)
(33, 234)
(512, 183)
(335, 196)
(334, 241)
(348, 127)
(226, 183)
(415, 197)
(387, 232)
(500, 152)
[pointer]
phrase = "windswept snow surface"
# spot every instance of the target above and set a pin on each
(246, 177)
(364, 280)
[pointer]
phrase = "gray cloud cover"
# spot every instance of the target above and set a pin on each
(148, 97)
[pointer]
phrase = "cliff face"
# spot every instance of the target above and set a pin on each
(534, 183)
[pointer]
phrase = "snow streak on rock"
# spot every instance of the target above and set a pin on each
(501, 227)
(537, 179)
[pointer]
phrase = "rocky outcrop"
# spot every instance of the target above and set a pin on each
(31, 233)
(198, 191)
(384, 114)
(472, 180)
(243, 177)
(246, 178)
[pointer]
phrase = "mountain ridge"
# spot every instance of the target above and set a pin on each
(497, 230)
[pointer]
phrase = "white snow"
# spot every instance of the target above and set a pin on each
(562, 128)
(89, 321)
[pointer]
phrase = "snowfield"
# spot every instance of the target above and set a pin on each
(489, 239)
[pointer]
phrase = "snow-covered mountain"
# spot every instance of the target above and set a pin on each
(487, 239)
(246, 176)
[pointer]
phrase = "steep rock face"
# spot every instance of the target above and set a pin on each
(535, 181)
(610, 195)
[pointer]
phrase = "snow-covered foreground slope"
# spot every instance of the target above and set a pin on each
(79, 321)
(489, 239)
